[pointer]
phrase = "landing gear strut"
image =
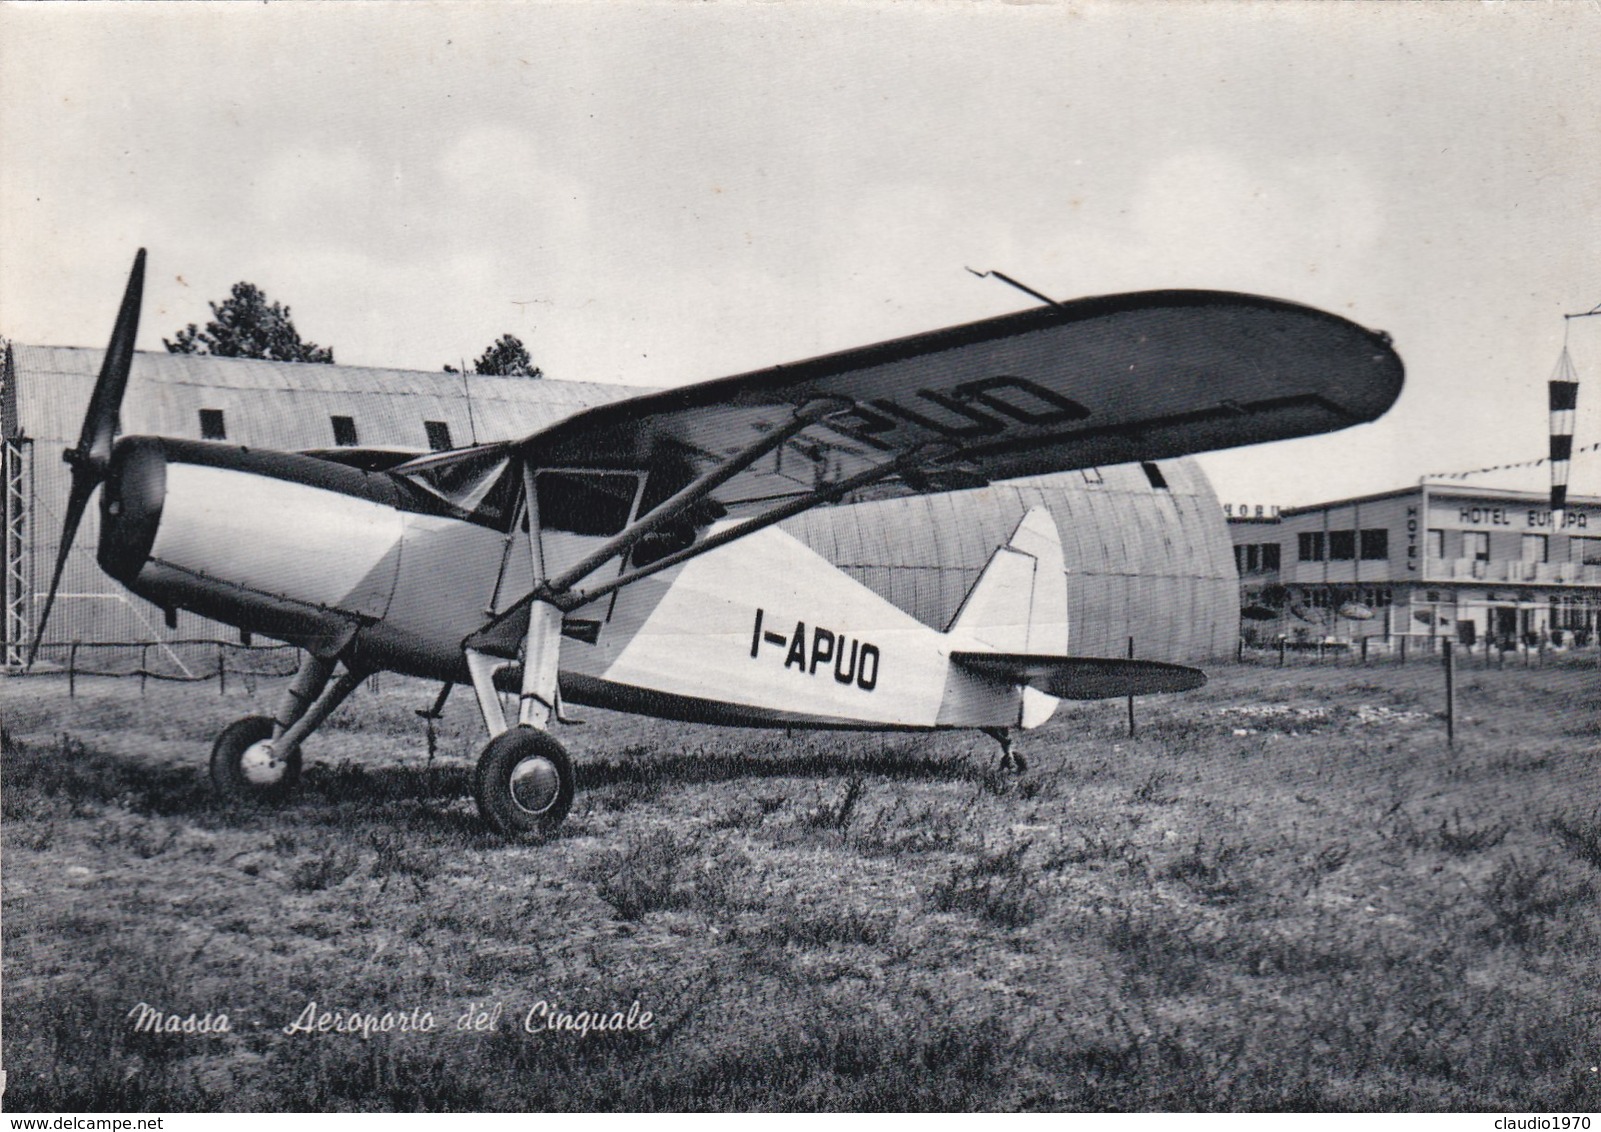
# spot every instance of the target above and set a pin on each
(524, 782)
(258, 757)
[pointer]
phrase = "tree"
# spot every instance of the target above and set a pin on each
(246, 325)
(508, 357)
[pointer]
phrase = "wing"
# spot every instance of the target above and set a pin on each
(1083, 677)
(1099, 381)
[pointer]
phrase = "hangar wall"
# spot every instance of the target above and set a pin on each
(1155, 564)
(1152, 563)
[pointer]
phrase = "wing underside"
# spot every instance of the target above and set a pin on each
(1105, 381)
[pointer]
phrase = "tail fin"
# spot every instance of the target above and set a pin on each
(1019, 605)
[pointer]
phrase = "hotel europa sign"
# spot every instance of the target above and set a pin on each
(1463, 516)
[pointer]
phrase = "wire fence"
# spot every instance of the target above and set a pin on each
(183, 661)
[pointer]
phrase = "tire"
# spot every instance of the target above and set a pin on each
(242, 768)
(524, 784)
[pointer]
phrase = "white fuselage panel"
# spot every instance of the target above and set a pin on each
(769, 624)
(276, 536)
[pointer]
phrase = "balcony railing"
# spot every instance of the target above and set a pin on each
(1515, 573)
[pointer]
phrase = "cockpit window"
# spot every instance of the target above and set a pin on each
(478, 484)
(586, 503)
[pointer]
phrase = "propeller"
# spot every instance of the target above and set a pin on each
(92, 456)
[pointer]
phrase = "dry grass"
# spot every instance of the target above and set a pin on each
(1286, 893)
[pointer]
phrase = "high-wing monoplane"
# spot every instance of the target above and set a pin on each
(629, 556)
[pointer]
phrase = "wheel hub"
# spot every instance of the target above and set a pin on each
(260, 764)
(535, 784)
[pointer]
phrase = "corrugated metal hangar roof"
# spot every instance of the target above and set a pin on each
(285, 405)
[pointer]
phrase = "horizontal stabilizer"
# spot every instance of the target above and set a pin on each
(1082, 677)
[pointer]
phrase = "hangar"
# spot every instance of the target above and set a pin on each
(1147, 551)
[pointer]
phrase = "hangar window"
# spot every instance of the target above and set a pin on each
(1375, 545)
(212, 426)
(1154, 474)
(1311, 546)
(344, 431)
(1342, 546)
(438, 434)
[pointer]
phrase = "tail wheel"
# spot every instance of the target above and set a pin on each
(245, 766)
(524, 784)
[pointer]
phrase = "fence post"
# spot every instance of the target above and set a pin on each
(1450, 696)
(1403, 648)
(222, 672)
(1131, 698)
(1364, 652)
(72, 670)
(144, 667)
(1281, 652)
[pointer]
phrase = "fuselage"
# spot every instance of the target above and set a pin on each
(394, 570)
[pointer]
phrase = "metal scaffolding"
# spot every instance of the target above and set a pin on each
(16, 465)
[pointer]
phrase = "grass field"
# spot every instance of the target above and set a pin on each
(1286, 892)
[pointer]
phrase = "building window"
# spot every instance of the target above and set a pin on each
(1476, 545)
(438, 434)
(1586, 551)
(1154, 474)
(212, 426)
(1311, 546)
(1342, 546)
(1091, 475)
(1536, 548)
(1436, 544)
(344, 431)
(1375, 545)
(1256, 557)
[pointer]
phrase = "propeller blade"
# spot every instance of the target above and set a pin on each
(100, 423)
(93, 455)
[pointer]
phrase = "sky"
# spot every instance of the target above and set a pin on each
(657, 194)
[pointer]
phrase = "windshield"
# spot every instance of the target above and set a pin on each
(476, 484)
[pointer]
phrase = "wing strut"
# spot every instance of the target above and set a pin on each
(672, 508)
(571, 599)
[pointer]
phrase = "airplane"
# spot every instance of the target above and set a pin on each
(628, 556)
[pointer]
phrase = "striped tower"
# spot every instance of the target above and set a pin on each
(1564, 397)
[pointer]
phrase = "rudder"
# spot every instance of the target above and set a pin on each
(1019, 604)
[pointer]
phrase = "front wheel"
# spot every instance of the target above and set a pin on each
(245, 766)
(524, 784)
